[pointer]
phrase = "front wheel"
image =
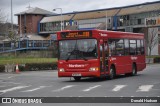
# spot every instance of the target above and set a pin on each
(77, 78)
(134, 71)
(112, 73)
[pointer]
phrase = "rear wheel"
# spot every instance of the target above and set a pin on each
(112, 73)
(77, 78)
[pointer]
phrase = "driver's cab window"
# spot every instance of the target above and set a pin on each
(101, 49)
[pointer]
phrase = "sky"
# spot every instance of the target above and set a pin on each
(66, 5)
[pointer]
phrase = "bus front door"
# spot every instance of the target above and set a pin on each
(104, 58)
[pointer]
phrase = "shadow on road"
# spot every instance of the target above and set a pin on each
(91, 79)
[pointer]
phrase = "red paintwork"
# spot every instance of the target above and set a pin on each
(123, 64)
(83, 70)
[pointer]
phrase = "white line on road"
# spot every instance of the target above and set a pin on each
(144, 88)
(11, 82)
(90, 88)
(11, 77)
(12, 89)
(35, 89)
(2, 86)
(61, 89)
(118, 87)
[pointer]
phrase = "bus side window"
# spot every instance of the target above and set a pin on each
(101, 48)
(132, 44)
(119, 47)
(126, 43)
(112, 47)
(142, 47)
(106, 49)
(138, 47)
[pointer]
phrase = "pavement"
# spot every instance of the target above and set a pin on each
(47, 84)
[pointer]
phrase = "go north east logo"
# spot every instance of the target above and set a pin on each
(18, 100)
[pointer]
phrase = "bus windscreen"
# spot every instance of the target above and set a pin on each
(78, 49)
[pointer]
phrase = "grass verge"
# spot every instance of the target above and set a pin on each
(13, 60)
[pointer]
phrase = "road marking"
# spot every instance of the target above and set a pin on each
(2, 86)
(90, 88)
(11, 82)
(11, 77)
(61, 89)
(12, 89)
(118, 87)
(35, 89)
(144, 88)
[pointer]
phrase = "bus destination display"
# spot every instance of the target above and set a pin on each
(79, 34)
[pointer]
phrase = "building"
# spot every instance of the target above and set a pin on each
(26, 37)
(28, 22)
(140, 18)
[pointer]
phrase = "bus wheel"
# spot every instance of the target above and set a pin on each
(77, 78)
(134, 71)
(112, 73)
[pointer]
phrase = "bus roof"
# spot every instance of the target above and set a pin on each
(109, 31)
(95, 33)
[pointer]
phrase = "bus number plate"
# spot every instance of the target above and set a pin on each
(76, 74)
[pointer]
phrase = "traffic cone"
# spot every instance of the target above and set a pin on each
(17, 69)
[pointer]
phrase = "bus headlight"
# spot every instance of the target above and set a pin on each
(94, 69)
(61, 70)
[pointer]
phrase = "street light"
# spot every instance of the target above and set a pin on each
(61, 17)
(11, 16)
(20, 27)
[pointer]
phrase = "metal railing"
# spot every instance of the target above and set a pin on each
(8, 46)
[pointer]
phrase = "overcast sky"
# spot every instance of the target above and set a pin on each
(66, 5)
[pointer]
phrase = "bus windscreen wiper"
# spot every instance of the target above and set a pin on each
(72, 51)
(83, 57)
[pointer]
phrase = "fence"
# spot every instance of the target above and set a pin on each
(8, 46)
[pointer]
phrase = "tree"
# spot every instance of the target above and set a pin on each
(152, 39)
(12, 36)
(3, 26)
(2, 17)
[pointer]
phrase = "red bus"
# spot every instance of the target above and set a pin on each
(99, 53)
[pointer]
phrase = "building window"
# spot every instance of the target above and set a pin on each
(139, 22)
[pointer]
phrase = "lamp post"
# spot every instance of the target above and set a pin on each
(20, 26)
(61, 17)
(106, 20)
(11, 16)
